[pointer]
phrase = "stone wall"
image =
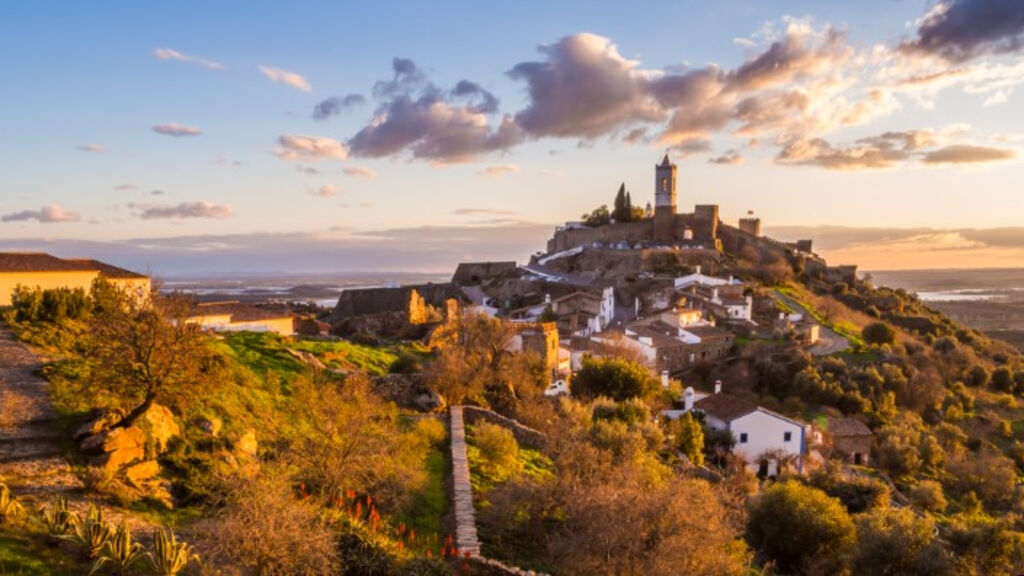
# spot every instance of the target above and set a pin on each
(525, 435)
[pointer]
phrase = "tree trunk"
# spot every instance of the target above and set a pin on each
(136, 412)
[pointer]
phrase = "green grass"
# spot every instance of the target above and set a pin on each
(531, 463)
(266, 352)
(27, 554)
(425, 514)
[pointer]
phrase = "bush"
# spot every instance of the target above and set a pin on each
(612, 377)
(498, 450)
(891, 541)
(928, 496)
(632, 411)
(800, 528)
(879, 333)
(1002, 379)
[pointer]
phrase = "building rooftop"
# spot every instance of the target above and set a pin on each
(106, 270)
(847, 427)
(35, 262)
(240, 312)
(725, 407)
(703, 332)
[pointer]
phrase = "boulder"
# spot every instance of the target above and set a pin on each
(137, 474)
(161, 426)
(120, 446)
(101, 421)
(210, 425)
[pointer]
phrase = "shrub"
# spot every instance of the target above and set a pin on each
(800, 528)
(977, 376)
(498, 450)
(612, 377)
(879, 333)
(891, 541)
(928, 496)
(631, 412)
(1002, 379)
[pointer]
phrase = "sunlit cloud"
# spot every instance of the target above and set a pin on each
(95, 148)
(361, 172)
(285, 77)
(306, 148)
(502, 170)
(325, 191)
(46, 214)
(968, 154)
(168, 54)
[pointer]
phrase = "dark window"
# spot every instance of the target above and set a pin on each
(743, 438)
(787, 436)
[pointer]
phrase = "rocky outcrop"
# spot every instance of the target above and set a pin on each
(116, 448)
(160, 426)
(409, 391)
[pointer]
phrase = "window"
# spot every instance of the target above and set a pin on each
(787, 436)
(743, 437)
(664, 184)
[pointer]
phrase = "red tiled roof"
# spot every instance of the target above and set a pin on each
(34, 262)
(847, 427)
(725, 407)
(106, 270)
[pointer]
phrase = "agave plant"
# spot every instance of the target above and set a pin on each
(55, 517)
(91, 533)
(9, 507)
(119, 552)
(169, 557)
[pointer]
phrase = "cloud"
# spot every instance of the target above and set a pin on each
(415, 115)
(583, 88)
(692, 146)
(483, 212)
(730, 158)
(97, 148)
(502, 170)
(183, 210)
(46, 214)
(959, 30)
(967, 154)
(168, 54)
(486, 103)
(335, 104)
(744, 42)
(325, 191)
(176, 130)
(361, 172)
(309, 148)
(127, 186)
(285, 77)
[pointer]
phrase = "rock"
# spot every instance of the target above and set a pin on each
(429, 401)
(137, 474)
(246, 447)
(161, 426)
(120, 446)
(306, 358)
(211, 426)
(104, 420)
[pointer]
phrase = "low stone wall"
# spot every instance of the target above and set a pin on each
(525, 435)
(480, 566)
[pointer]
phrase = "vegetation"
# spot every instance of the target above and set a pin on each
(613, 378)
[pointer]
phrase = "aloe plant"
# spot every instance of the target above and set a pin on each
(169, 557)
(91, 533)
(55, 517)
(9, 507)
(119, 553)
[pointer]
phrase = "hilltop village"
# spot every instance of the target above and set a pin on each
(572, 414)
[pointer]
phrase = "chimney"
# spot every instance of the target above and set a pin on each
(664, 378)
(547, 298)
(718, 386)
(688, 398)
(698, 269)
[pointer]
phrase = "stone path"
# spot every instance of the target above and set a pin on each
(31, 461)
(31, 457)
(466, 539)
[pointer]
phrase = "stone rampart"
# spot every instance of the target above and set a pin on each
(524, 435)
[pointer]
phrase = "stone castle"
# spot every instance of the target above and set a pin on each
(666, 228)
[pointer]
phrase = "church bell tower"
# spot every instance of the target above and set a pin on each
(664, 201)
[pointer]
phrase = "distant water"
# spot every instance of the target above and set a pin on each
(1001, 285)
(321, 289)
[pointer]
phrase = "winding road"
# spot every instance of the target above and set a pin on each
(829, 342)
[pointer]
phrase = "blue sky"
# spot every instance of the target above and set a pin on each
(142, 132)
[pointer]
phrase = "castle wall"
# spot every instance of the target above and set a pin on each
(379, 300)
(632, 232)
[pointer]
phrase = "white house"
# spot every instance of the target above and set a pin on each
(722, 297)
(761, 436)
(585, 312)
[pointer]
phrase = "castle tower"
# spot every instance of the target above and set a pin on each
(664, 201)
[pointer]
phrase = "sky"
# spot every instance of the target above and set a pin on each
(200, 137)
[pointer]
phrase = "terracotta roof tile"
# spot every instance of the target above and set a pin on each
(847, 427)
(34, 262)
(725, 407)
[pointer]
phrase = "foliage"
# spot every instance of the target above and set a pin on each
(268, 527)
(614, 378)
(689, 438)
(598, 217)
(927, 495)
(623, 209)
(800, 528)
(631, 411)
(10, 509)
(55, 517)
(50, 305)
(895, 541)
(879, 333)
(168, 556)
(145, 350)
(496, 449)
(119, 553)
(89, 533)
(857, 494)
